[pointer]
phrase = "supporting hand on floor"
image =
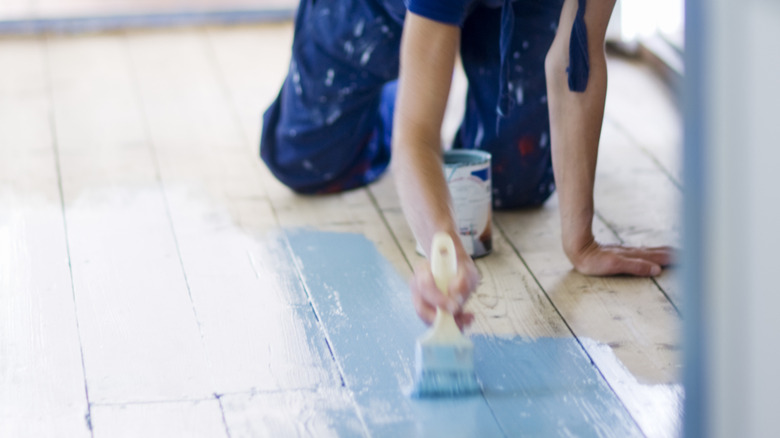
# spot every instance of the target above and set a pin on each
(594, 258)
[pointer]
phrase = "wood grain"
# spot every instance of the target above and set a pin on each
(638, 201)
(641, 106)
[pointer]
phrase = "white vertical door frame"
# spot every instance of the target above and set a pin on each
(732, 218)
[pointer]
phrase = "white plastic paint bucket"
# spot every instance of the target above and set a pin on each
(467, 172)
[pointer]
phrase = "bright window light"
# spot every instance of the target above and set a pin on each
(644, 18)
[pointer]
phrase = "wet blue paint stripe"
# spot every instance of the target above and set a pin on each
(132, 21)
(548, 387)
(364, 307)
(544, 387)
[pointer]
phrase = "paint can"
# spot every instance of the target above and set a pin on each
(467, 172)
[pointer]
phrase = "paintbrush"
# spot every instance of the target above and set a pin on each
(444, 358)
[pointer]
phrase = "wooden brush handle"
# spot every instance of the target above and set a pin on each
(443, 261)
(444, 266)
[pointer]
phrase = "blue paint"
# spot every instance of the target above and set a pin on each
(543, 387)
(548, 384)
(371, 326)
(129, 21)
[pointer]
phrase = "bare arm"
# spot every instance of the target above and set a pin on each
(575, 120)
(428, 52)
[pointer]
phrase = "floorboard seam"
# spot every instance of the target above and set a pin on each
(161, 184)
(645, 150)
(234, 112)
(611, 227)
(566, 323)
(151, 402)
(222, 413)
(301, 278)
(387, 225)
(55, 148)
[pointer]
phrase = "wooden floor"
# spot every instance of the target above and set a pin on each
(155, 280)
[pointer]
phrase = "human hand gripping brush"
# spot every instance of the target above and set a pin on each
(444, 357)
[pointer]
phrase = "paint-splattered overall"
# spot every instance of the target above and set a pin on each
(329, 129)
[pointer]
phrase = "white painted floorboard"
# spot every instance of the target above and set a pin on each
(42, 390)
(141, 337)
(197, 419)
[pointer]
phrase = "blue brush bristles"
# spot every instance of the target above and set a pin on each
(445, 358)
(444, 370)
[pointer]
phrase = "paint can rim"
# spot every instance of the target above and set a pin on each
(465, 157)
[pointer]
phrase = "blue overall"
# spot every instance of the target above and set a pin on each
(329, 130)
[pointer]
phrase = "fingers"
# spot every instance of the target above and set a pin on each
(426, 297)
(465, 282)
(617, 260)
(660, 255)
(424, 286)
(464, 320)
(634, 266)
(427, 313)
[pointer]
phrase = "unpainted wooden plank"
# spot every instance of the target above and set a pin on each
(96, 108)
(180, 93)
(354, 282)
(43, 390)
(638, 201)
(252, 62)
(140, 335)
(634, 198)
(641, 105)
(325, 412)
(24, 97)
(228, 176)
(164, 420)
